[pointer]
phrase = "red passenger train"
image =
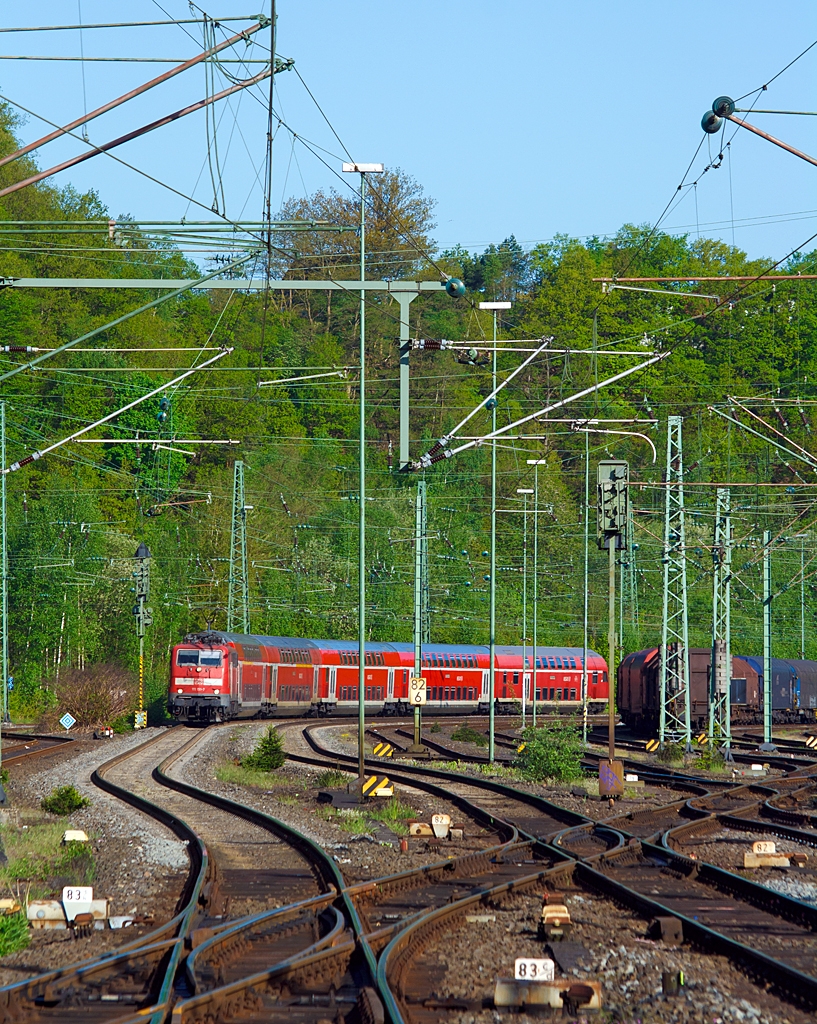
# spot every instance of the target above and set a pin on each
(215, 676)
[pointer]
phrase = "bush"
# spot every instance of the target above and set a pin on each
(671, 753)
(14, 933)
(553, 751)
(64, 801)
(95, 696)
(269, 753)
(465, 734)
(435, 727)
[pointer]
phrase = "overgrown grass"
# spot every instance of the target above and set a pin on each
(355, 823)
(36, 856)
(14, 933)
(465, 734)
(239, 775)
(435, 727)
(333, 778)
(64, 801)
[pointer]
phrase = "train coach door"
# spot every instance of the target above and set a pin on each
(485, 681)
(333, 682)
(274, 684)
(391, 684)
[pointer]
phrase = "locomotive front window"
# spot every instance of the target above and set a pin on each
(210, 658)
(187, 657)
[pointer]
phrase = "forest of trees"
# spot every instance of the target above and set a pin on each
(76, 517)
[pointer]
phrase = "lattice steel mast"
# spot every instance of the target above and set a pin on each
(238, 593)
(720, 729)
(674, 710)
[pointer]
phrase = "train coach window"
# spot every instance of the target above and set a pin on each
(558, 694)
(572, 662)
(552, 662)
(595, 679)
(604, 677)
(459, 693)
(572, 694)
(187, 657)
(516, 679)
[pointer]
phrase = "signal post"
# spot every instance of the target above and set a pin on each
(611, 532)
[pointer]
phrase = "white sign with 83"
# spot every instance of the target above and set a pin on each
(530, 969)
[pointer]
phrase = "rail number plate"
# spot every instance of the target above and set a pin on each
(763, 846)
(527, 969)
(78, 894)
(418, 693)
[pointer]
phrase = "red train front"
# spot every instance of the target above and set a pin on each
(215, 676)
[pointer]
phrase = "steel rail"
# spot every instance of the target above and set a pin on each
(19, 1001)
(781, 974)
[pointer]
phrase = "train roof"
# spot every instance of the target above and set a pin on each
(218, 636)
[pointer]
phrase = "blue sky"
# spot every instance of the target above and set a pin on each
(527, 117)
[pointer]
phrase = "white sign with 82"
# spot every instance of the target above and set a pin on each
(528, 969)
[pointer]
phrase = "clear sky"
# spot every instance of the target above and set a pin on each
(528, 117)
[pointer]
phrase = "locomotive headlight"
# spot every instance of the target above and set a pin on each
(180, 690)
(216, 690)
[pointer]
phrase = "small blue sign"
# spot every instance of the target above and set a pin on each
(67, 720)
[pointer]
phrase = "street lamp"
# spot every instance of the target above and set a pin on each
(525, 491)
(494, 307)
(362, 170)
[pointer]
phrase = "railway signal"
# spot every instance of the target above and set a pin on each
(613, 478)
(144, 618)
(652, 746)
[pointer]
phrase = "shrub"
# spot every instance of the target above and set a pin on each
(435, 727)
(269, 753)
(553, 751)
(671, 753)
(64, 801)
(465, 734)
(14, 933)
(97, 695)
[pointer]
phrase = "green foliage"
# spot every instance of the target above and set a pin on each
(671, 753)
(4, 776)
(465, 734)
(435, 727)
(332, 778)
(239, 775)
(391, 811)
(122, 724)
(37, 855)
(552, 751)
(711, 759)
(268, 754)
(64, 801)
(75, 520)
(14, 933)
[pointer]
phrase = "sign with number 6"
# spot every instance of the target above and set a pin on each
(418, 692)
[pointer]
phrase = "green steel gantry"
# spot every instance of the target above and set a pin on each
(674, 710)
(238, 592)
(720, 676)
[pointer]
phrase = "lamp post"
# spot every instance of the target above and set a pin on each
(494, 307)
(525, 491)
(362, 170)
(536, 463)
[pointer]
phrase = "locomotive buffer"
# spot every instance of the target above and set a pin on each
(613, 479)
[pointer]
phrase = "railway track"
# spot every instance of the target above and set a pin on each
(25, 746)
(242, 863)
(772, 936)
